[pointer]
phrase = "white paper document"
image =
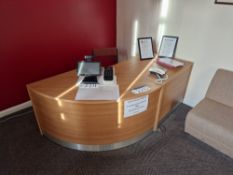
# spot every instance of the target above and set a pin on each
(170, 62)
(100, 92)
(135, 106)
(146, 48)
(167, 47)
(140, 89)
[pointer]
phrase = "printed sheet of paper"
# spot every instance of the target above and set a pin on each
(167, 47)
(171, 62)
(98, 93)
(135, 106)
(146, 48)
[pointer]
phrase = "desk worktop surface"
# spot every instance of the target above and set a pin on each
(101, 124)
(130, 73)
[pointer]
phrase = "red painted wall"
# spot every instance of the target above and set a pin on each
(41, 38)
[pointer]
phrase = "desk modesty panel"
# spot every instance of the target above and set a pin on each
(101, 125)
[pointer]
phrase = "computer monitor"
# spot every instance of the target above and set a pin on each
(88, 68)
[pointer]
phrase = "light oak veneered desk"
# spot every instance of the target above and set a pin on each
(100, 125)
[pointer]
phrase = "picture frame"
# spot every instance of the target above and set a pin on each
(168, 46)
(226, 2)
(145, 45)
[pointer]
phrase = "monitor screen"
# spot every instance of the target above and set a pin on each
(88, 68)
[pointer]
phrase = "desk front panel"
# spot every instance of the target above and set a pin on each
(174, 89)
(102, 122)
(91, 124)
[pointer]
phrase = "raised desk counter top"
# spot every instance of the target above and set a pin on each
(101, 125)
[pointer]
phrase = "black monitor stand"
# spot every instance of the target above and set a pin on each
(91, 79)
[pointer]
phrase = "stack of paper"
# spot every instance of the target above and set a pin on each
(169, 62)
(100, 92)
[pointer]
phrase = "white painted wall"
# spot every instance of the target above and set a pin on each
(128, 12)
(205, 33)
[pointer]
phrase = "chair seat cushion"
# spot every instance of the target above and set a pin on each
(212, 123)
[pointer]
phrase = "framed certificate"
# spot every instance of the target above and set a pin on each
(145, 46)
(168, 46)
(229, 2)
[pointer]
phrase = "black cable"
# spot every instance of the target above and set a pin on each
(162, 129)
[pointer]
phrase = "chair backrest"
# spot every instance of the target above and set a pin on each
(221, 87)
(107, 56)
(105, 52)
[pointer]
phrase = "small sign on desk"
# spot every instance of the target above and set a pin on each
(135, 106)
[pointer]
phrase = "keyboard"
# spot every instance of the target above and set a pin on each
(90, 80)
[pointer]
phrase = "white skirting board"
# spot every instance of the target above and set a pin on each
(16, 108)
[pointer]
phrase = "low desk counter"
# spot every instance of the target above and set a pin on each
(101, 125)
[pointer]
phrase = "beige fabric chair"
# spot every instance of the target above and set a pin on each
(211, 121)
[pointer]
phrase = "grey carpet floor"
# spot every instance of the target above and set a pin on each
(23, 151)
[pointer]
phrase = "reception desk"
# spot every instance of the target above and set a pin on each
(101, 125)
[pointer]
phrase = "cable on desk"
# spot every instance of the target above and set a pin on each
(161, 79)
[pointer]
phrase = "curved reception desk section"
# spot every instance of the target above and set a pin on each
(102, 125)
